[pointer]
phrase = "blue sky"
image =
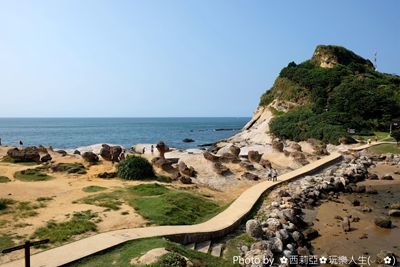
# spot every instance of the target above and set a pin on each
(147, 58)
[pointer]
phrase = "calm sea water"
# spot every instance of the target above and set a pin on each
(70, 133)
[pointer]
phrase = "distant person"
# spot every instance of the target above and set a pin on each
(376, 139)
(0, 141)
(21, 143)
(152, 148)
(144, 150)
(274, 175)
(369, 141)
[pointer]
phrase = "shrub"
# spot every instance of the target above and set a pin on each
(396, 135)
(135, 168)
(172, 259)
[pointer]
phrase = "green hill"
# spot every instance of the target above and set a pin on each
(334, 90)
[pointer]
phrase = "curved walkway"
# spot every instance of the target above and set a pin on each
(216, 226)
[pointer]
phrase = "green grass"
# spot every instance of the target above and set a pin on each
(233, 245)
(80, 223)
(276, 112)
(32, 175)
(4, 179)
(159, 204)
(385, 148)
(121, 255)
(171, 207)
(77, 168)
(8, 159)
(110, 200)
(93, 189)
(3, 223)
(5, 203)
(6, 242)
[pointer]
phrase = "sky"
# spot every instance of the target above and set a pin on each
(172, 58)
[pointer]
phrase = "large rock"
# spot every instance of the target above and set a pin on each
(383, 222)
(221, 169)
(273, 224)
(310, 234)
(28, 154)
(387, 177)
(277, 245)
(250, 176)
(296, 147)
(162, 163)
(265, 163)
(90, 157)
(46, 158)
(253, 228)
(185, 180)
(257, 258)
(234, 150)
(254, 156)
(162, 149)
(346, 224)
(184, 170)
(277, 145)
(211, 157)
(394, 213)
(229, 158)
(110, 153)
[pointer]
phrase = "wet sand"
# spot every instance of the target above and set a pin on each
(365, 238)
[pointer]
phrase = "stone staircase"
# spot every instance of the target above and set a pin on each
(215, 249)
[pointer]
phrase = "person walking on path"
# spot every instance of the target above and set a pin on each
(152, 149)
(21, 143)
(144, 150)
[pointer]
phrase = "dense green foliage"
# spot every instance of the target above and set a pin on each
(172, 259)
(135, 168)
(396, 135)
(32, 175)
(349, 95)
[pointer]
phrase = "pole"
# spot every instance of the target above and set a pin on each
(27, 254)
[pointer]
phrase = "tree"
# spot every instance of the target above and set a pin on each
(396, 135)
(135, 168)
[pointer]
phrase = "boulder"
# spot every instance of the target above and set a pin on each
(356, 202)
(296, 147)
(90, 157)
(77, 152)
(387, 177)
(28, 154)
(211, 157)
(162, 163)
(250, 176)
(107, 175)
(395, 206)
(221, 169)
(256, 258)
(184, 170)
(372, 176)
(46, 158)
(254, 156)
(234, 150)
(63, 153)
(110, 153)
(277, 145)
(185, 180)
(188, 140)
(265, 163)
(253, 228)
(247, 165)
(261, 245)
(229, 158)
(277, 245)
(346, 224)
(383, 222)
(310, 234)
(273, 224)
(42, 149)
(394, 213)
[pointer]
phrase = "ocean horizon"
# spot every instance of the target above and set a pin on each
(75, 132)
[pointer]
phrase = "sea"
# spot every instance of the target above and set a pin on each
(71, 133)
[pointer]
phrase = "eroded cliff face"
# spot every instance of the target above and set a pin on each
(328, 56)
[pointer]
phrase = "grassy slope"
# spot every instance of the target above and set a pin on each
(122, 254)
(385, 148)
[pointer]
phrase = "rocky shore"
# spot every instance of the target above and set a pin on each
(281, 226)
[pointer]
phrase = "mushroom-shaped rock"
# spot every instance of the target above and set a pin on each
(265, 163)
(229, 158)
(162, 148)
(110, 153)
(234, 150)
(254, 156)
(162, 163)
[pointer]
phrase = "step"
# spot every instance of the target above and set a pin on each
(191, 246)
(216, 250)
(203, 246)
